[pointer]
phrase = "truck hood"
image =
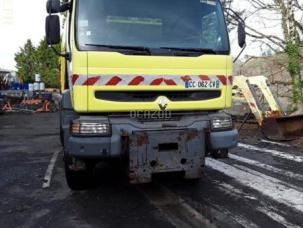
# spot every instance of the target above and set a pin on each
(116, 82)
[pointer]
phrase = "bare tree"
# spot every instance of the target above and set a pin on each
(287, 16)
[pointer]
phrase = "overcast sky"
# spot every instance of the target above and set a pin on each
(24, 19)
(19, 20)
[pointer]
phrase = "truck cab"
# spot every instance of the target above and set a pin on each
(143, 81)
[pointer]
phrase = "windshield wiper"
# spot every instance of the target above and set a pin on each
(117, 47)
(196, 50)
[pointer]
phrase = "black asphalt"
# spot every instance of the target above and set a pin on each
(27, 143)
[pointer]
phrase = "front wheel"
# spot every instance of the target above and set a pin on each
(220, 154)
(78, 180)
(61, 136)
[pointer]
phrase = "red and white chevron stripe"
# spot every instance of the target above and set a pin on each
(144, 80)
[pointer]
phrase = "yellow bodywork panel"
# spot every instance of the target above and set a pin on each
(79, 94)
(90, 64)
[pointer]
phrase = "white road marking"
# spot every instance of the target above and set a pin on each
(173, 206)
(275, 143)
(267, 167)
(229, 189)
(268, 186)
(237, 218)
(276, 217)
(276, 153)
(48, 175)
(243, 222)
(264, 208)
(265, 177)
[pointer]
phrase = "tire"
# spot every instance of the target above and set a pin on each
(61, 128)
(61, 136)
(220, 154)
(79, 180)
(194, 181)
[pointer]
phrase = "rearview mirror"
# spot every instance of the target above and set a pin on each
(52, 29)
(241, 34)
(53, 6)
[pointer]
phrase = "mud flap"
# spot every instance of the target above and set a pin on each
(166, 151)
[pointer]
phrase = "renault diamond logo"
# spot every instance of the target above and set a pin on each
(163, 103)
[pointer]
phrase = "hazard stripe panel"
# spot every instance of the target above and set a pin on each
(91, 81)
(145, 80)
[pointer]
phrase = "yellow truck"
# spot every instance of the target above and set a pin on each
(143, 81)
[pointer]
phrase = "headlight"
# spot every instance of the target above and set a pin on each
(221, 123)
(81, 128)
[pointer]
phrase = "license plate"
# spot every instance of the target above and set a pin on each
(202, 84)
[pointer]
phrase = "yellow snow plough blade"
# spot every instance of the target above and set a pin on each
(283, 128)
(264, 105)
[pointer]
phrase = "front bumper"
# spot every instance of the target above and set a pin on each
(223, 140)
(117, 144)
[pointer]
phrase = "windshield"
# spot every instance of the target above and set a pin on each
(168, 25)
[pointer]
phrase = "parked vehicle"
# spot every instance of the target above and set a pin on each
(144, 81)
